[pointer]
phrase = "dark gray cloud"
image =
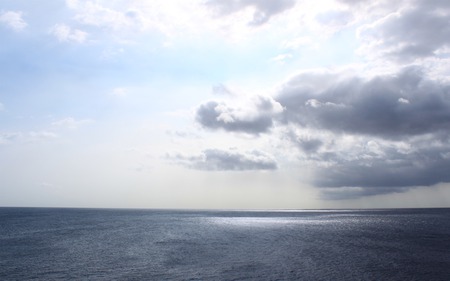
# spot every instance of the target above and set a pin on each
(348, 166)
(254, 118)
(353, 193)
(264, 9)
(392, 172)
(372, 136)
(390, 106)
(420, 30)
(221, 160)
(307, 144)
(424, 167)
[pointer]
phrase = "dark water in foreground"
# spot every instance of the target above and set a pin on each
(89, 244)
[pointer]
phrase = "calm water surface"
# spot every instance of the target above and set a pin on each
(96, 244)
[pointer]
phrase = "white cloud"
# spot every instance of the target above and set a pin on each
(2, 107)
(26, 137)
(403, 100)
(70, 123)
(45, 184)
(297, 42)
(120, 92)
(95, 14)
(65, 33)
(13, 20)
(282, 58)
(39, 136)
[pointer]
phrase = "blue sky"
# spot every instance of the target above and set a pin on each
(225, 104)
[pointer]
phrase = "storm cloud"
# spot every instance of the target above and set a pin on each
(383, 134)
(390, 106)
(423, 165)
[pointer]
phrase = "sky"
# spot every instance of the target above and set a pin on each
(238, 104)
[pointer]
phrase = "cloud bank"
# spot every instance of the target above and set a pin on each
(382, 130)
(382, 134)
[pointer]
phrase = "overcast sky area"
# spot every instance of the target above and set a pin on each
(240, 104)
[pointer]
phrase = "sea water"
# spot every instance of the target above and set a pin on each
(114, 244)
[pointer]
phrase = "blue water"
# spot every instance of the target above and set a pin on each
(99, 244)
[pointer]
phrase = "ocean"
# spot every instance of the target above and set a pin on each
(119, 244)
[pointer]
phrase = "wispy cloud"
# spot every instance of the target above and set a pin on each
(65, 33)
(26, 137)
(222, 160)
(70, 123)
(120, 92)
(13, 20)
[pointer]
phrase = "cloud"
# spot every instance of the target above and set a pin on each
(307, 143)
(65, 33)
(350, 165)
(254, 117)
(387, 168)
(335, 18)
(93, 14)
(46, 185)
(120, 92)
(357, 192)
(221, 89)
(2, 107)
(360, 135)
(26, 137)
(282, 58)
(182, 134)
(33, 136)
(13, 20)
(297, 43)
(406, 103)
(416, 31)
(263, 9)
(9, 137)
(369, 136)
(70, 123)
(221, 160)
